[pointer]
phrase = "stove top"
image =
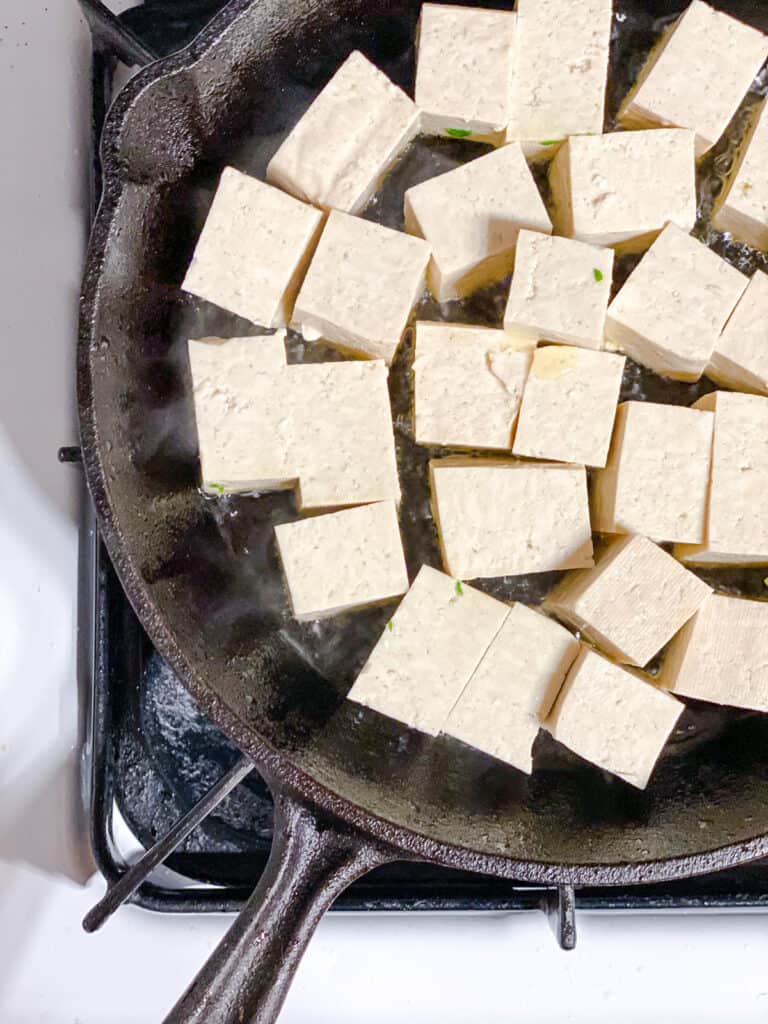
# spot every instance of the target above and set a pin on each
(153, 755)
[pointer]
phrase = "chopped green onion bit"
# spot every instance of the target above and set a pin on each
(551, 142)
(390, 627)
(217, 488)
(459, 588)
(458, 133)
(598, 274)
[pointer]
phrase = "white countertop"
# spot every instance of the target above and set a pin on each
(697, 969)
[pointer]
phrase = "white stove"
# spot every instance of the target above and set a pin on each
(450, 968)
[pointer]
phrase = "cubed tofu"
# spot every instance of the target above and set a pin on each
(343, 560)
(560, 290)
(569, 405)
(342, 429)
(468, 382)
(471, 216)
(505, 518)
(428, 652)
(736, 530)
(560, 72)
(674, 305)
(361, 286)
(253, 251)
(721, 654)
(514, 687)
(464, 66)
(657, 475)
(621, 189)
(740, 358)
(632, 602)
(742, 206)
(341, 147)
(240, 414)
(697, 75)
(614, 719)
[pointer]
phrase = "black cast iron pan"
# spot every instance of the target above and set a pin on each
(352, 790)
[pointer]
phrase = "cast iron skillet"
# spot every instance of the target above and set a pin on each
(352, 790)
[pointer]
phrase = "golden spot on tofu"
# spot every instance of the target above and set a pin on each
(553, 361)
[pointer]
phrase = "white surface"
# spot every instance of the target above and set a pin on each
(493, 970)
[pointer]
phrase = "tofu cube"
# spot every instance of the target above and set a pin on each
(239, 413)
(674, 305)
(697, 75)
(505, 518)
(736, 530)
(614, 719)
(342, 431)
(471, 216)
(657, 475)
(632, 602)
(343, 560)
(721, 654)
(569, 405)
(361, 286)
(464, 66)
(742, 206)
(621, 189)
(740, 358)
(468, 382)
(514, 687)
(428, 652)
(560, 290)
(560, 73)
(253, 250)
(341, 147)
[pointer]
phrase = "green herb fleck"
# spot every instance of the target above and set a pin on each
(390, 627)
(458, 133)
(459, 588)
(216, 488)
(598, 274)
(765, 581)
(551, 142)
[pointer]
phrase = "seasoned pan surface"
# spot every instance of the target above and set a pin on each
(203, 573)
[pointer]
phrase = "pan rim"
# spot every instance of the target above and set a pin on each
(278, 764)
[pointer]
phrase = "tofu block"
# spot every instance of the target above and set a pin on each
(621, 189)
(464, 66)
(468, 382)
(742, 206)
(505, 518)
(721, 654)
(342, 423)
(471, 217)
(560, 290)
(674, 305)
(343, 560)
(361, 286)
(657, 475)
(561, 72)
(632, 602)
(614, 719)
(697, 75)
(253, 250)
(239, 413)
(263, 425)
(740, 358)
(736, 531)
(514, 687)
(341, 147)
(569, 405)
(428, 652)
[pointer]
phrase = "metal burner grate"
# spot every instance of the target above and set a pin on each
(152, 755)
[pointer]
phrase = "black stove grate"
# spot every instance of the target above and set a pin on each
(153, 755)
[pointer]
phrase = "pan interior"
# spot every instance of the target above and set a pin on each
(206, 569)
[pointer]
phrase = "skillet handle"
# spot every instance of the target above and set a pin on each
(247, 977)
